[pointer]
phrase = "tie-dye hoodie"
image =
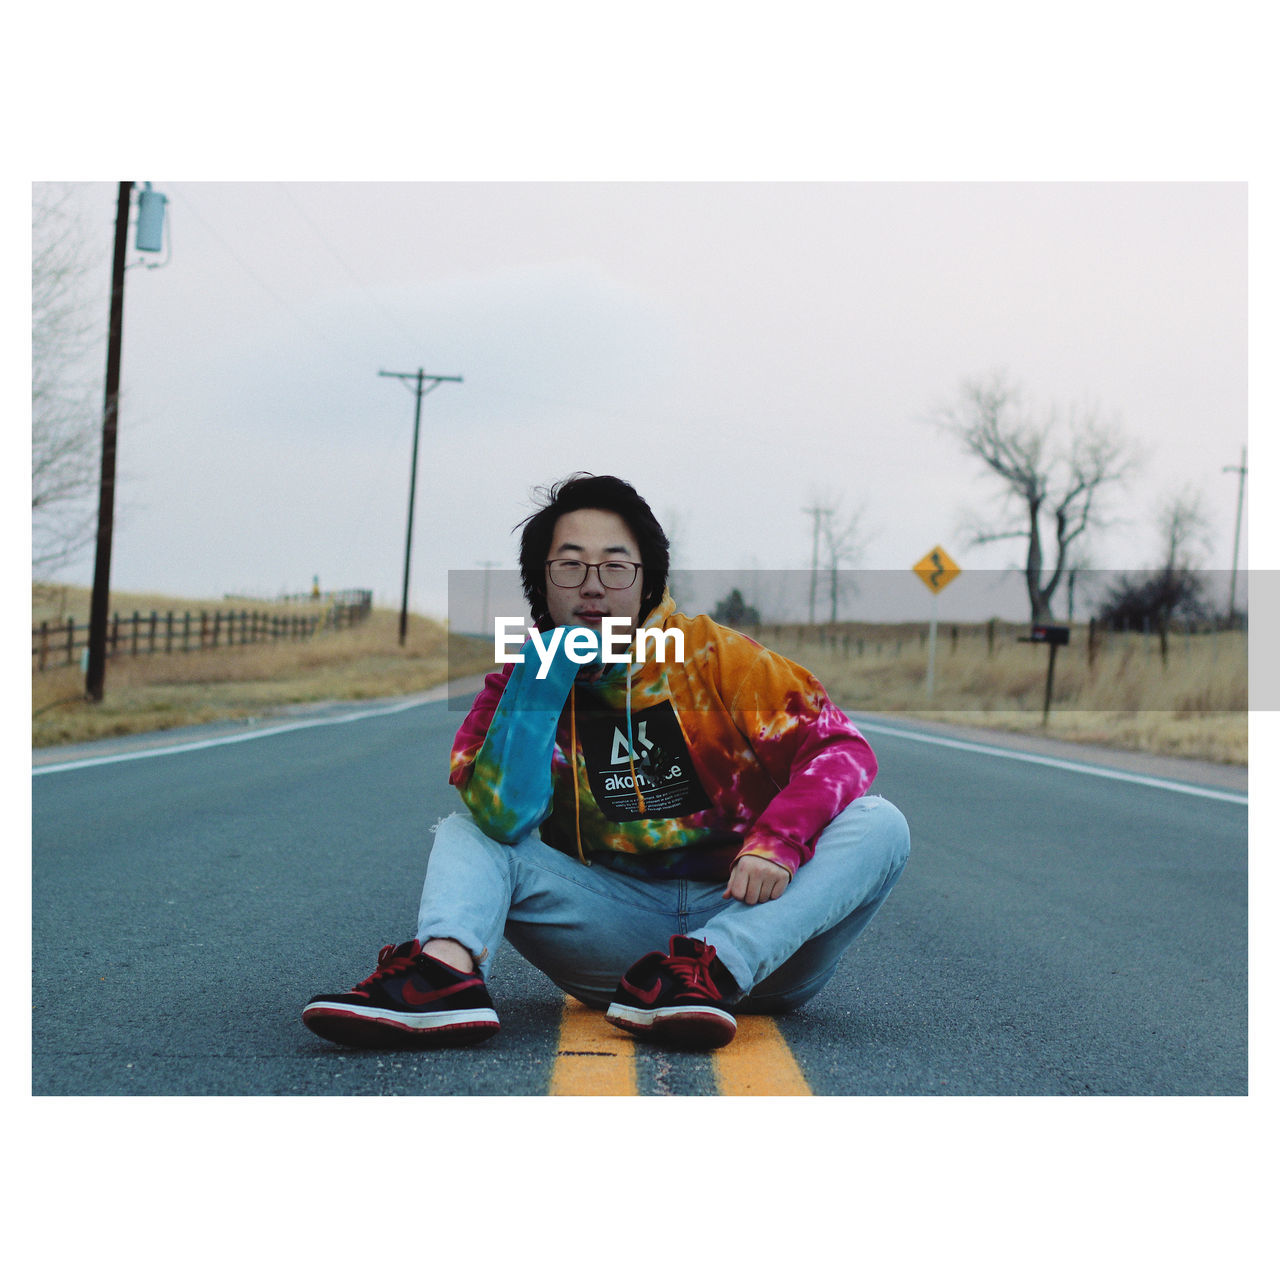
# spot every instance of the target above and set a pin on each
(662, 768)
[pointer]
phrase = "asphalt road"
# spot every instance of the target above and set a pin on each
(1056, 931)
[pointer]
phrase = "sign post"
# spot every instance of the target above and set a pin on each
(937, 570)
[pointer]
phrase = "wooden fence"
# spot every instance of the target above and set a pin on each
(60, 644)
(858, 638)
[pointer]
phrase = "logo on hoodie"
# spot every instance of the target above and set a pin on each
(661, 759)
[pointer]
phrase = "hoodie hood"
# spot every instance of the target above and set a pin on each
(622, 673)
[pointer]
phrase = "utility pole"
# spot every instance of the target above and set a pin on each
(1235, 555)
(819, 514)
(97, 666)
(410, 379)
(486, 622)
(149, 238)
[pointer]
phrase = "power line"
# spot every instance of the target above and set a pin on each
(256, 278)
(395, 322)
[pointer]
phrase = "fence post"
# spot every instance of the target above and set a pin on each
(71, 642)
(151, 638)
(133, 648)
(115, 634)
(168, 632)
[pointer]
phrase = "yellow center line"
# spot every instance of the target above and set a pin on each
(594, 1058)
(758, 1061)
(598, 1060)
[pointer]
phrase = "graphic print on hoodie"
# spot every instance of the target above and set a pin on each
(649, 765)
(772, 759)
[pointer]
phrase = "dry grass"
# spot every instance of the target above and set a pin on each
(166, 691)
(1194, 705)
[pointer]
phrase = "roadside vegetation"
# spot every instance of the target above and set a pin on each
(1189, 698)
(165, 691)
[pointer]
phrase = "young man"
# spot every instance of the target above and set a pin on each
(667, 838)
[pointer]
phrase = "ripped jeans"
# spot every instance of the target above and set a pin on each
(584, 926)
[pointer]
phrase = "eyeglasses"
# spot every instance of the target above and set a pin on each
(615, 575)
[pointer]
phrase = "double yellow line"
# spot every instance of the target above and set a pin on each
(597, 1059)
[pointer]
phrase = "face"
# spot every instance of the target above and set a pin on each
(593, 537)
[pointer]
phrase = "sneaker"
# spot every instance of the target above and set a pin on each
(410, 1001)
(674, 998)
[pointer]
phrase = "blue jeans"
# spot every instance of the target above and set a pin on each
(584, 926)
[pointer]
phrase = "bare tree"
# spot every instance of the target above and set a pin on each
(64, 419)
(843, 544)
(1052, 471)
(1184, 529)
(837, 540)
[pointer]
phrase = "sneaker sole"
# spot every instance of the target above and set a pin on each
(687, 1026)
(358, 1029)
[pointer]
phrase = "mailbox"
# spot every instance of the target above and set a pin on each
(1055, 638)
(1050, 635)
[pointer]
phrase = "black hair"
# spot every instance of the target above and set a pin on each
(602, 493)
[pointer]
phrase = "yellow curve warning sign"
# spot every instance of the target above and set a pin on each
(937, 570)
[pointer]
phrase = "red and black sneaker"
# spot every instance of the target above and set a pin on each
(674, 998)
(411, 1000)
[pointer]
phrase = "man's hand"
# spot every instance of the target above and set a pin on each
(755, 879)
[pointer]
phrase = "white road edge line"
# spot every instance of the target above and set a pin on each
(90, 761)
(1230, 797)
(1141, 779)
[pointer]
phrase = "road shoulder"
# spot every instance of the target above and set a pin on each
(1202, 773)
(1172, 768)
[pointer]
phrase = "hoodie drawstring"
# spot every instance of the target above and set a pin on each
(573, 768)
(631, 745)
(573, 762)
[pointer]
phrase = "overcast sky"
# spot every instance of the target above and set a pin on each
(735, 350)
